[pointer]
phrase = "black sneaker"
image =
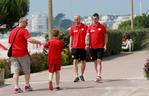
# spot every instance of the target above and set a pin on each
(76, 79)
(82, 78)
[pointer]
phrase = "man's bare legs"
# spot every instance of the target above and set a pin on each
(16, 80)
(83, 66)
(75, 65)
(27, 86)
(98, 68)
(27, 78)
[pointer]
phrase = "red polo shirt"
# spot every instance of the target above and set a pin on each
(78, 34)
(97, 35)
(19, 47)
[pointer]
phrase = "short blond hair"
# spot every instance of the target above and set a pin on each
(23, 19)
(77, 16)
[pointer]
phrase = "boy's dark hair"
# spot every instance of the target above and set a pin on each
(55, 32)
(96, 15)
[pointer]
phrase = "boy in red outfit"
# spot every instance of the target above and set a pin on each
(55, 47)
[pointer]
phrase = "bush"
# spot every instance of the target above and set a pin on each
(7, 69)
(2, 72)
(6, 66)
(38, 62)
(66, 58)
(114, 43)
(1, 63)
(65, 37)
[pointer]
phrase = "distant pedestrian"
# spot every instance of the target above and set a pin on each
(98, 38)
(127, 43)
(55, 47)
(20, 54)
(77, 46)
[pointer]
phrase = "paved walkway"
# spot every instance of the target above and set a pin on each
(122, 76)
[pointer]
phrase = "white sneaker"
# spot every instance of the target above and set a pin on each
(98, 79)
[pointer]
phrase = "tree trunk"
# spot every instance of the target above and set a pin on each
(50, 16)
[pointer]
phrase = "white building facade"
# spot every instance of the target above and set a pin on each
(39, 23)
(119, 20)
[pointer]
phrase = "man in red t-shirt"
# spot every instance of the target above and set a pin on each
(77, 46)
(20, 55)
(98, 37)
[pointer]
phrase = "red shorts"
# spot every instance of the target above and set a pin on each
(54, 67)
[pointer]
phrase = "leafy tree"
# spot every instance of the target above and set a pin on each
(66, 23)
(65, 37)
(139, 22)
(12, 10)
(61, 22)
(58, 19)
(125, 25)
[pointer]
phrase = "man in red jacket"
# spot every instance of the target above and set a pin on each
(20, 55)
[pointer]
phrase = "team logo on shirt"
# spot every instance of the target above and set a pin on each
(92, 30)
(82, 29)
(75, 31)
(99, 29)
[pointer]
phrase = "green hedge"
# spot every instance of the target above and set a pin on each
(2, 63)
(38, 63)
(6, 65)
(114, 43)
(66, 58)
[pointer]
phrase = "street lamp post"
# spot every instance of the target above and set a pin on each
(132, 15)
(140, 7)
(50, 16)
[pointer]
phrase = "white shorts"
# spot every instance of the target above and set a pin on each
(20, 62)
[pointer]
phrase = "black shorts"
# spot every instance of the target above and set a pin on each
(78, 53)
(96, 53)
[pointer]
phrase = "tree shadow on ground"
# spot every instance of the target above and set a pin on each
(115, 80)
(122, 54)
(65, 88)
(77, 88)
(4, 85)
(41, 89)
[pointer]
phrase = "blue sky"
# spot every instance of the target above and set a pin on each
(87, 7)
